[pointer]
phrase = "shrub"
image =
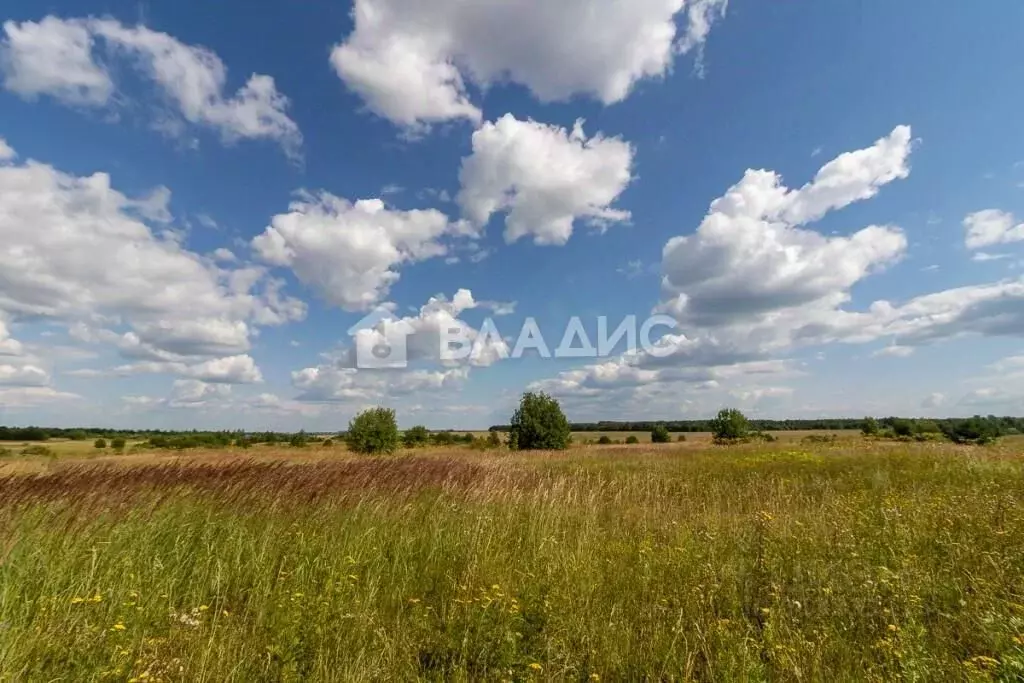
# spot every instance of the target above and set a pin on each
(298, 440)
(819, 438)
(100, 443)
(681, 437)
(660, 434)
(539, 424)
(373, 431)
(730, 425)
(870, 427)
(632, 439)
(976, 430)
(77, 435)
(38, 449)
(442, 438)
(118, 443)
(901, 427)
(604, 440)
(494, 439)
(328, 443)
(415, 437)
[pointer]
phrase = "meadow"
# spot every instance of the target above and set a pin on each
(791, 561)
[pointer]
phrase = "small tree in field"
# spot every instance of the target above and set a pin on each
(118, 443)
(373, 431)
(660, 434)
(100, 443)
(415, 437)
(539, 424)
(494, 439)
(730, 425)
(870, 427)
(632, 439)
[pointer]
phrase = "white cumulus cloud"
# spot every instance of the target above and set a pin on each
(545, 177)
(349, 253)
(990, 227)
(57, 57)
(410, 60)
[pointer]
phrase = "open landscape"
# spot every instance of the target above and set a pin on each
(799, 559)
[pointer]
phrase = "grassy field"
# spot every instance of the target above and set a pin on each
(788, 561)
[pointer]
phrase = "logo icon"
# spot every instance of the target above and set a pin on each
(381, 340)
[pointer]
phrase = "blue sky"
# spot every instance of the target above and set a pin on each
(425, 156)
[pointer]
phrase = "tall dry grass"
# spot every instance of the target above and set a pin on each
(847, 562)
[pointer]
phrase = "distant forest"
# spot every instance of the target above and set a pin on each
(1006, 425)
(179, 438)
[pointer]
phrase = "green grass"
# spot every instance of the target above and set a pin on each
(783, 562)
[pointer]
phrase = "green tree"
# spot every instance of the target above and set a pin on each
(870, 427)
(605, 440)
(539, 424)
(494, 439)
(631, 439)
(100, 443)
(660, 434)
(415, 437)
(730, 425)
(373, 431)
(118, 443)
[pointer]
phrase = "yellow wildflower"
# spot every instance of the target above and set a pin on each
(117, 627)
(536, 666)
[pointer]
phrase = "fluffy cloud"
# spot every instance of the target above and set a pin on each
(325, 383)
(27, 397)
(423, 332)
(8, 345)
(55, 57)
(990, 227)
(193, 392)
(409, 60)
(750, 256)
(7, 152)
(349, 252)
(23, 376)
(545, 177)
(340, 379)
(76, 250)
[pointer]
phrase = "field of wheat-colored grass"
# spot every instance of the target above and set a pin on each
(788, 561)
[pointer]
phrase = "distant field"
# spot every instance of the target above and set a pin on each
(849, 561)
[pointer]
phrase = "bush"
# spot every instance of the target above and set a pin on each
(298, 440)
(660, 434)
(976, 430)
(604, 440)
(328, 443)
(539, 423)
(632, 439)
(415, 437)
(38, 450)
(870, 427)
(442, 438)
(494, 439)
(373, 431)
(100, 443)
(901, 427)
(730, 425)
(681, 437)
(118, 443)
(77, 435)
(819, 438)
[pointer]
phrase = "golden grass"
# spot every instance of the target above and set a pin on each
(789, 561)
